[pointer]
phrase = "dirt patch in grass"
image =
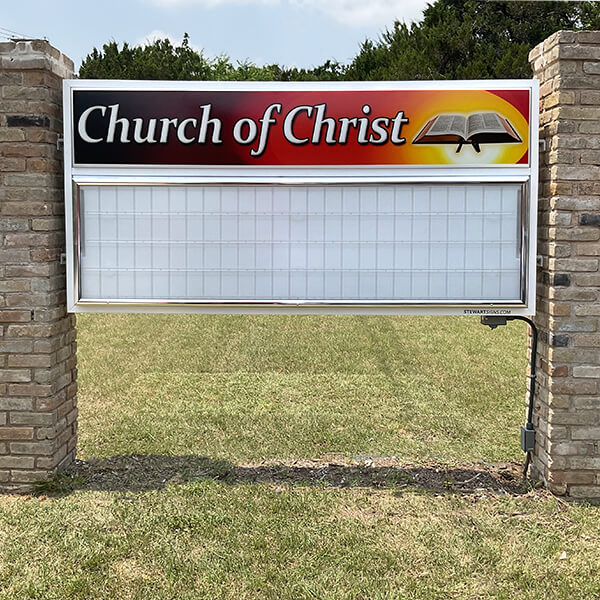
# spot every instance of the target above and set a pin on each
(139, 473)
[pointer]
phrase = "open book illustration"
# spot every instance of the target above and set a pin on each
(476, 129)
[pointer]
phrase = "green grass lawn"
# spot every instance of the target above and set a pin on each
(253, 387)
(288, 458)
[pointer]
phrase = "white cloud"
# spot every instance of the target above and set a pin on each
(362, 13)
(158, 34)
(154, 35)
(354, 13)
(208, 3)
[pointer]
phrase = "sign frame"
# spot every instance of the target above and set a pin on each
(78, 176)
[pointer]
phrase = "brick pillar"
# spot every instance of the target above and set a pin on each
(567, 456)
(38, 414)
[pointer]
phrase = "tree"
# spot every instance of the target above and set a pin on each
(163, 60)
(457, 39)
(159, 60)
(469, 39)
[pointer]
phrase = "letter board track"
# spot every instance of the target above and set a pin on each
(375, 198)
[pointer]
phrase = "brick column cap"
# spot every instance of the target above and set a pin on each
(564, 37)
(35, 55)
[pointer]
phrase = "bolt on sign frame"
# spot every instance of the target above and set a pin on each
(355, 198)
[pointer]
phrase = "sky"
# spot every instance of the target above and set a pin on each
(301, 33)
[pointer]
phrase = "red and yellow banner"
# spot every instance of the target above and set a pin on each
(462, 127)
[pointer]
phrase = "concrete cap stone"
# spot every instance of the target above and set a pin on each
(35, 55)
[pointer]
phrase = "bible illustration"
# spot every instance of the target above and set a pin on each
(476, 129)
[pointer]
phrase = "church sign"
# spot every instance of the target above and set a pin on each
(381, 198)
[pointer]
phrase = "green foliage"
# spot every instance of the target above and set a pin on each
(159, 60)
(162, 60)
(469, 39)
(330, 70)
(457, 39)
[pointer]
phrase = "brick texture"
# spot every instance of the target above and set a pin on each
(567, 410)
(38, 402)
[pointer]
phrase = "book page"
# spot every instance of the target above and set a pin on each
(454, 124)
(484, 123)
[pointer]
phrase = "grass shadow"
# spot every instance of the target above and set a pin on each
(138, 473)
